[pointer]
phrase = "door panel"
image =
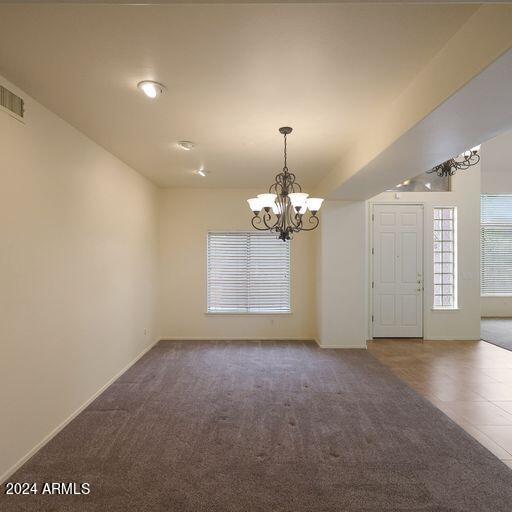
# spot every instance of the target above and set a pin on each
(387, 262)
(387, 309)
(397, 271)
(409, 219)
(409, 259)
(409, 310)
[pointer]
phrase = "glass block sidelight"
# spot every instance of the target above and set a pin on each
(445, 259)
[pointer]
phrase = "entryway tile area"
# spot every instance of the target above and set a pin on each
(470, 381)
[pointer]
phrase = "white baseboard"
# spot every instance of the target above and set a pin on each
(73, 415)
(221, 338)
(341, 346)
(440, 338)
(182, 338)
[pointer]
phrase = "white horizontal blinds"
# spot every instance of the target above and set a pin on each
(248, 273)
(496, 245)
(496, 210)
(269, 274)
(445, 259)
(228, 286)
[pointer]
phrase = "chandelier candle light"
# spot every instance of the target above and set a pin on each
(284, 209)
(459, 163)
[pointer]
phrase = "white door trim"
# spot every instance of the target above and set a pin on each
(371, 216)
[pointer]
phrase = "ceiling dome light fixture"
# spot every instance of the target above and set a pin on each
(186, 145)
(459, 163)
(203, 173)
(283, 208)
(151, 89)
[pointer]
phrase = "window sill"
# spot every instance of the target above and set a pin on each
(504, 296)
(255, 313)
(445, 309)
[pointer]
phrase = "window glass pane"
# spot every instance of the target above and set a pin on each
(423, 183)
(444, 258)
(248, 273)
(447, 279)
(496, 245)
(447, 268)
(447, 300)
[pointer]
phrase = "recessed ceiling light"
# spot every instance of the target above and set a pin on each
(151, 89)
(186, 145)
(202, 173)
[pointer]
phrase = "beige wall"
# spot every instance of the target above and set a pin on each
(78, 241)
(496, 307)
(186, 217)
(344, 269)
(463, 323)
(496, 165)
(342, 275)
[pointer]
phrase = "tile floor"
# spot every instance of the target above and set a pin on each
(470, 381)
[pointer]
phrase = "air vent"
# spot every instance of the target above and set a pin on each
(11, 102)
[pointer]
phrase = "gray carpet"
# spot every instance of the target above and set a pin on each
(497, 331)
(270, 427)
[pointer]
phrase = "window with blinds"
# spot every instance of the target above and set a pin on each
(248, 273)
(496, 245)
(445, 259)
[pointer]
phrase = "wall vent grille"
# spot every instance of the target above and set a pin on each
(11, 102)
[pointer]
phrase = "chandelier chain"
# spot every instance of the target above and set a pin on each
(285, 168)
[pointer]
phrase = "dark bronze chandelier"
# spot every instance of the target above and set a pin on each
(283, 209)
(459, 163)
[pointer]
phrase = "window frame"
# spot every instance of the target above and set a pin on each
(245, 313)
(495, 225)
(455, 305)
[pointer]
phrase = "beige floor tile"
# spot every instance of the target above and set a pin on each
(500, 374)
(495, 392)
(495, 448)
(468, 381)
(481, 413)
(506, 406)
(453, 393)
(501, 435)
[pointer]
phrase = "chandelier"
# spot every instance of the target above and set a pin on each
(284, 209)
(459, 163)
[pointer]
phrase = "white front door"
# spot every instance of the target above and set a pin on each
(397, 257)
